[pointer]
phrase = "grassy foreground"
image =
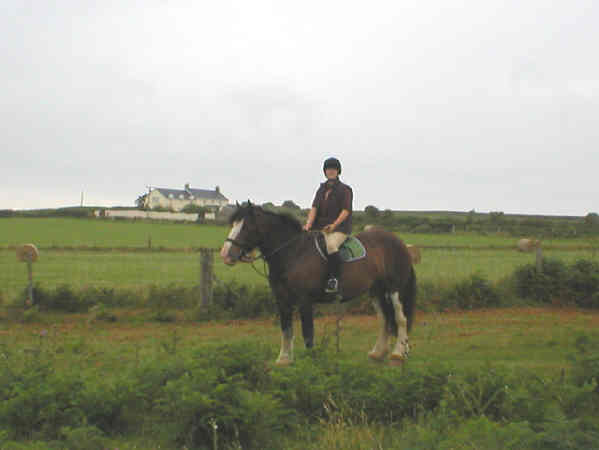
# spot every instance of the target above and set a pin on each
(507, 344)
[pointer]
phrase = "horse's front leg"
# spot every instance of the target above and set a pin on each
(307, 317)
(402, 347)
(286, 354)
(381, 347)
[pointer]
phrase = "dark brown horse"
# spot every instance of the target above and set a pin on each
(297, 275)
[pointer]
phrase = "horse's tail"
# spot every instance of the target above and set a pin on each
(408, 297)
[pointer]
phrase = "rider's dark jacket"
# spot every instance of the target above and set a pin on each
(329, 206)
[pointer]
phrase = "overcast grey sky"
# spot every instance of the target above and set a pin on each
(429, 105)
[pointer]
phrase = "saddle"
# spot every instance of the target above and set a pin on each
(351, 250)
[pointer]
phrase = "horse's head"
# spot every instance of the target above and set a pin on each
(244, 236)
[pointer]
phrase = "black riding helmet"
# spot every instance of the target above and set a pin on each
(332, 163)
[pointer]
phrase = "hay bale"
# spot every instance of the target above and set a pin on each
(528, 245)
(371, 227)
(414, 253)
(27, 253)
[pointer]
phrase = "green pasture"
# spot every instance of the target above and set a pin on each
(107, 233)
(537, 345)
(120, 257)
(132, 270)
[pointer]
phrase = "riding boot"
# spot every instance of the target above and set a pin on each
(334, 265)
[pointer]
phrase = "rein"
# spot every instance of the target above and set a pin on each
(275, 251)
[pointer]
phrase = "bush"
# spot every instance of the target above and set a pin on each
(475, 292)
(63, 298)
(583, 282)
(578, 283)
(542, 286)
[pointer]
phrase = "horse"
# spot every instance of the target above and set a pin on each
(298, 272)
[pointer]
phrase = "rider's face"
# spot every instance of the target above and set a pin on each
(331, 173)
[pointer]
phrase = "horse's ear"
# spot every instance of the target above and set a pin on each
(236, 203)
(249, 202)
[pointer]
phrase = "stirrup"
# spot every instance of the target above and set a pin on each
(332, 286)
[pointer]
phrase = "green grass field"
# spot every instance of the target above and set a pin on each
(67, 232)
(492, 256)
(138, 270)
(538, 340)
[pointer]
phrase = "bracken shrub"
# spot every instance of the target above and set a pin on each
(223, 394)
(37, 401)
(356, 390)
(585, 362)
(481, 432)
(501, 395)
(83, 438)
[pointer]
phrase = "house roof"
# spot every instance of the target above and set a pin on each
(197, 193)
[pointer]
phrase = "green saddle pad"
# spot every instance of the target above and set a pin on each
(351, 250)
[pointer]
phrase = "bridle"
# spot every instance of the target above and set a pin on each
(246, 249)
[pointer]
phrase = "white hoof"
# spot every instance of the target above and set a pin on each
(283, 362)
(377, 356)
(396, 359)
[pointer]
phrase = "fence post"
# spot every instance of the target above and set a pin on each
(206, 275)
(29, 254)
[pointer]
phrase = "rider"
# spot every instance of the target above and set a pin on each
(331, 213)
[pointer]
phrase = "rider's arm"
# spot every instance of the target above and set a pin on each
(311, 218)
(342, 216)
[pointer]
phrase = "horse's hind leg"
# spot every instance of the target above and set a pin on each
(286, 354)
(381, 347)
(306, 314)
(402, 347)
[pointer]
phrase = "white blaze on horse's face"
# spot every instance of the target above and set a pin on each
(225, 251)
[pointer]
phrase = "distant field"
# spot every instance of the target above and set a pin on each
(60, 232)
(493, 256)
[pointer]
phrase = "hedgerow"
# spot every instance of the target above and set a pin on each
(557, 283)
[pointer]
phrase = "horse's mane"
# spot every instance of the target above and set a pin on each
(284, 218)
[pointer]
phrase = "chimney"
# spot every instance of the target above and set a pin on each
(187, 187)
(217, 189)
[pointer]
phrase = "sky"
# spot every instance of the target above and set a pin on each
(429, 104)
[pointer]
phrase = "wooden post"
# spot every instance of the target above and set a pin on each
(206, 267)
(30, 278)
(539, 259)
(28, 254)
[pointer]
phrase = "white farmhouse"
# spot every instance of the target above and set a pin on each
(176, 199)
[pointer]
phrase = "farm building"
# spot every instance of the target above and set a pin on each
(177, 199)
